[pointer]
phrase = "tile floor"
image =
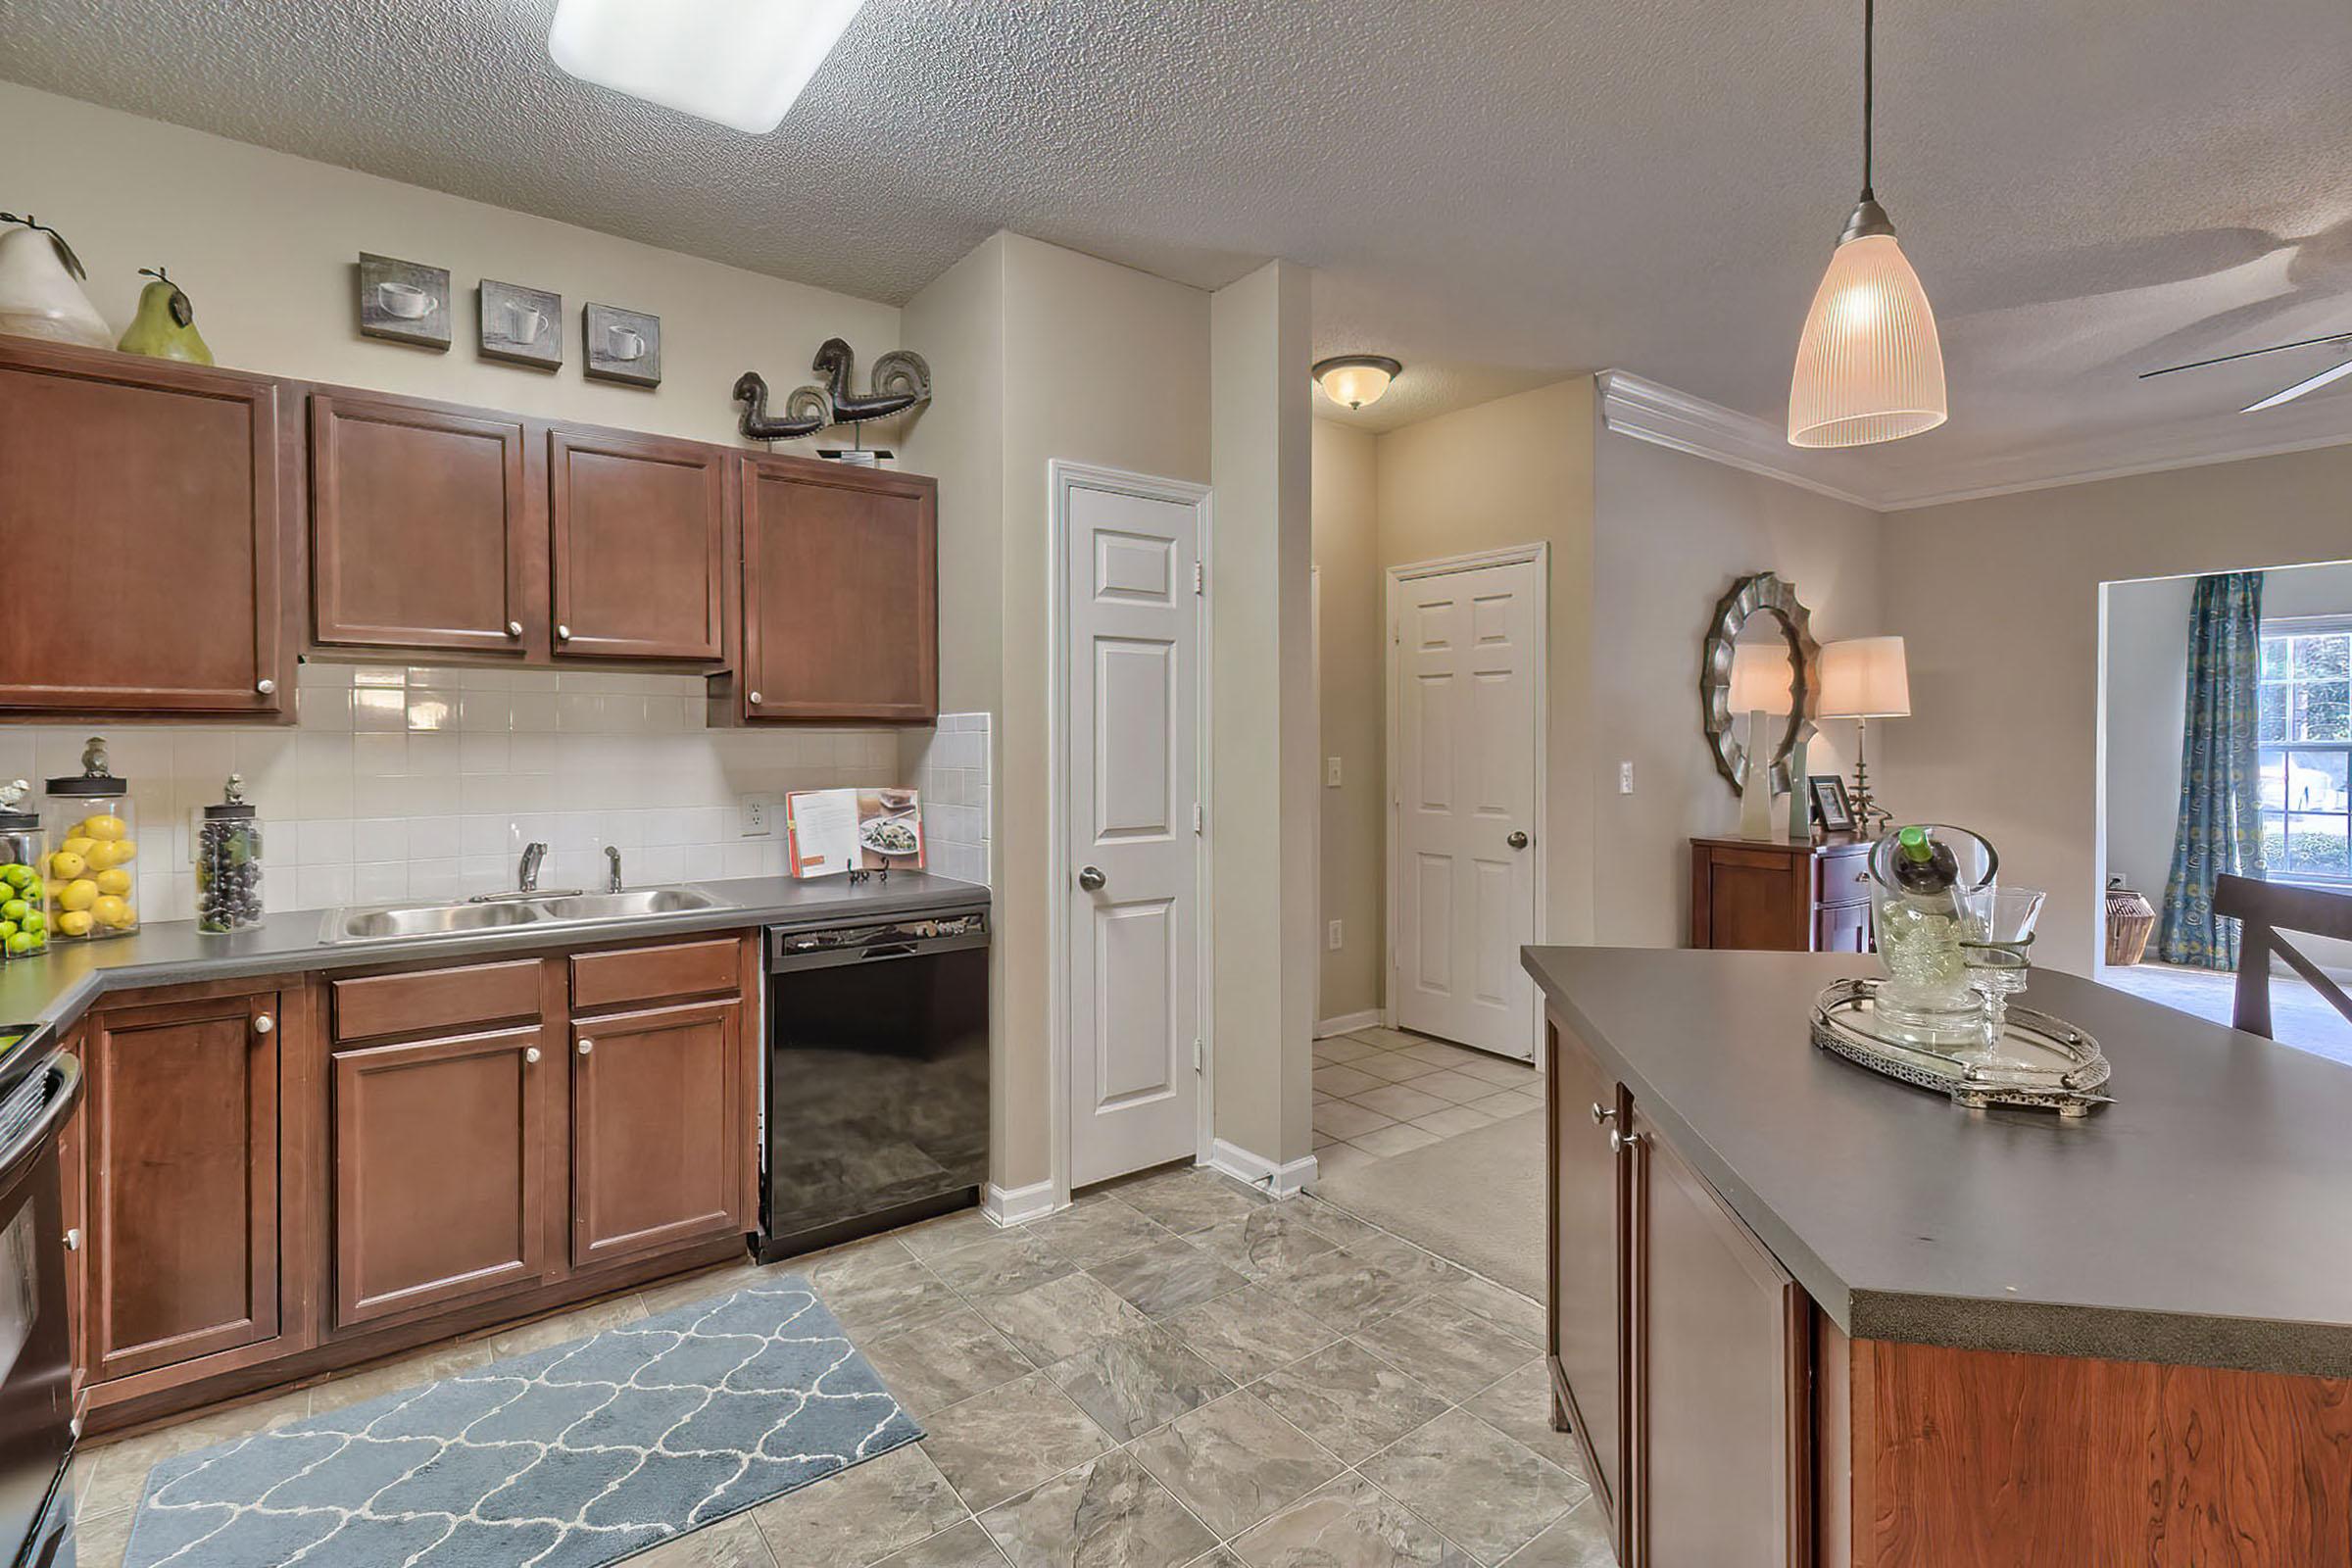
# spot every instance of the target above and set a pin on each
(1175, 1371)
(2299, 1015)
(1380, 1091)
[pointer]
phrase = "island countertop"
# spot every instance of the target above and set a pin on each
(2204, 1218)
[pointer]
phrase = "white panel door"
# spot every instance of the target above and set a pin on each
(1133, 780)
(1465, 803)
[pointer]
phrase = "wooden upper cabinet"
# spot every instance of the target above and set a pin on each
(141, 518)
(840, 593)
(658, 1120)
(181, 1141)
(638, 545)
(426, 530)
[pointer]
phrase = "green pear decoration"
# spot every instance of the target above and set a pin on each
(165, 327)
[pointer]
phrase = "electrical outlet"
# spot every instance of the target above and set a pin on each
(759, 816)
(1625, 778)
(1337, 937)
(1331, 772)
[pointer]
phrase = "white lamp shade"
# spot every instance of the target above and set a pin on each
(738, 61)
(1869, 366)
(1865, 678)
(1762, 677)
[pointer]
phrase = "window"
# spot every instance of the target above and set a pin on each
(2306, 742)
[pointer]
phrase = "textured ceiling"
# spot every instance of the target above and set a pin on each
(1495, 191)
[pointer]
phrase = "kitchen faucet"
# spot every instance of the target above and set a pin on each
(526, 875)
(613, 873)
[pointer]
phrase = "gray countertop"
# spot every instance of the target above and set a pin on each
(2204, 1218)
(56, 986)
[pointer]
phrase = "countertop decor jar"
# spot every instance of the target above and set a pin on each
(93, 890)
(23, 851)
(229, 863)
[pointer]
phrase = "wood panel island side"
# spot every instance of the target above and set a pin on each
(1805, 1316)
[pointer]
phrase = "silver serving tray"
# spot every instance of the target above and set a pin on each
(2040, 1061)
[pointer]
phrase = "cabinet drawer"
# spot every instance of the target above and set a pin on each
(436, 998)
(1845, 879)
(647, 974)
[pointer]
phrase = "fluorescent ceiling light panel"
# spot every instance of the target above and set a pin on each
(738, 61)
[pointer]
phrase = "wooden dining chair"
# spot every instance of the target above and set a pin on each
(2264, 910)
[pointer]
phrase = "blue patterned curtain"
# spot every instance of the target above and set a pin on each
(2221, 798)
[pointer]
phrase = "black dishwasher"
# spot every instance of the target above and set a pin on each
(877, 1076)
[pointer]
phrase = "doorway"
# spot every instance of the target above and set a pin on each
(1128, 837)
(1466, 749)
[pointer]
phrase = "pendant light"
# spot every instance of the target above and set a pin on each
(1869, 366)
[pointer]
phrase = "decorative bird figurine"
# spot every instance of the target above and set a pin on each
(804, 410)
(165, 327)
(901, 380)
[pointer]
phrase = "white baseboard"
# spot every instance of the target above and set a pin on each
(1020, 1204)
(1346, 1022)
(1281, 1181)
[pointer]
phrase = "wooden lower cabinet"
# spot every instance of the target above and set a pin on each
(659, 1101)
(1779, 896)
(440, 1160)
(1587, 1319)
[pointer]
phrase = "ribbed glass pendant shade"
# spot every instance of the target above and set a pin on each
(1869, 366)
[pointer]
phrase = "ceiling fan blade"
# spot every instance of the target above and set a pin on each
(2310, 383)
(2248, 353)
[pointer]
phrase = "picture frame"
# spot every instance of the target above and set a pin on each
(1832, 808)
(521, 326)
(404, 302)
(623, 346)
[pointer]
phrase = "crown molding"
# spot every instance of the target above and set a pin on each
(1650, 410)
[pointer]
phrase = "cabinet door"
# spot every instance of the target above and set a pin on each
(1722, 1372)
(1587, 1273)
(141, 520)
(659, 1130)
(440, 1169)
(639, 529)
(840, 593)
(182, 1154)
(423, 526)
(1841, 928)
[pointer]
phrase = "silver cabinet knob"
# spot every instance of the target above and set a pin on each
(74, 1240)
(1092, 878)
(1517, 840)
(265, 685)
(586, 1046)
(756, 699)
(1602, 1114)
(563, 632)
(263, 1023)
(514, 628)
(530, 1052)
(1620, 1142)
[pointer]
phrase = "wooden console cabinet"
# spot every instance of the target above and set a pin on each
(1787, 896)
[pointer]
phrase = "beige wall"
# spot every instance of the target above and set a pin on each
(1517, 470)
(1263, 738)
(1353, 723)
(267, 246)
(1672, 533)
(1999, 602)
(2146, 699)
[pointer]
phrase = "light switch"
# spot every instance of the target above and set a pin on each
(1625, 778)
(1331, 772)
(1337, 936)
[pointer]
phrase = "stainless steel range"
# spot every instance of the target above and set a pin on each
(39, 1088)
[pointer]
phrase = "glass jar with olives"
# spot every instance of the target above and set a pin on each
(229, 863)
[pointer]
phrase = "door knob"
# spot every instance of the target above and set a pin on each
(586, 1046)
(1602, 1114)
(530, 1053)
(1517, 840)
(514, 628)
(1619, 1142)
(263, 1023)
(74, 1240)
(265, 686)
(1092, 878)
(754, 697)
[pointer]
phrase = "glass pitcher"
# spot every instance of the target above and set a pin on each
(1921, 919)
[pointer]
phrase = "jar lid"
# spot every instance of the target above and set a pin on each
(13, 818)
(96, 779)
(233, 806)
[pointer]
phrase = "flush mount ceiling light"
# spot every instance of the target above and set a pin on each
(738, 61)
(1355, 379)
(1869, 366)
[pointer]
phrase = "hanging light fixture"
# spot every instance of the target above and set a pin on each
(1869, 366)
(1355, 379)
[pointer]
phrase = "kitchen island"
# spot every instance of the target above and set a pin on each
(1802, 1313)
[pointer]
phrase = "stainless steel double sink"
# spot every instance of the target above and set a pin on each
(551, 911)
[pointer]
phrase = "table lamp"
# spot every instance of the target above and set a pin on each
(1864, 678)
(1761, 688)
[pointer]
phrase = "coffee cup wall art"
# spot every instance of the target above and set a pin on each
(622, 345)
(404, 302)
(521, 326)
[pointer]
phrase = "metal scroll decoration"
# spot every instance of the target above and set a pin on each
(1759, 593)
(901, 380)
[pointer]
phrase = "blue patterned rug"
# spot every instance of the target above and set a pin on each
(569, 1457)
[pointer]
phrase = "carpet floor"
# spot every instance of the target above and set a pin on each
(572, 1456)
(1476, 1197)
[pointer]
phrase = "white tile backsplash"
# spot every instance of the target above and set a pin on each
(426, 782)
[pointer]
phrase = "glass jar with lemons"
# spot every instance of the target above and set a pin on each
(91, 883)
(24, 921)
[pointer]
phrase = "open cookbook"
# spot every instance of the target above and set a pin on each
(827, 832)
